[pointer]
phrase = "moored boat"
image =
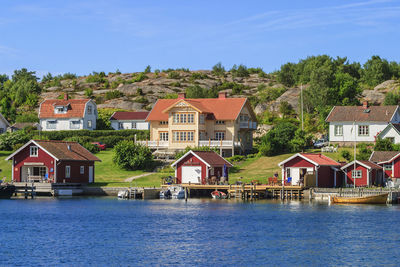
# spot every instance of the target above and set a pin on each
(6, 191)
(375, 199)
(218, 195)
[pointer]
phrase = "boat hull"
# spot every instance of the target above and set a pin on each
(6, 191)
(377, 199)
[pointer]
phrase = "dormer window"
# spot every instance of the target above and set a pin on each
(60, 109)
(34, 151)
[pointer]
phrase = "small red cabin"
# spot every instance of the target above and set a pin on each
(52, 161)
(324, 168)
(389, 161)
(363, 172)
(197, 167)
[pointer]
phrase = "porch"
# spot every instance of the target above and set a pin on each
(36, 174)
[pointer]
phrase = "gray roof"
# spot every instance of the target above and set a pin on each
(359, 113)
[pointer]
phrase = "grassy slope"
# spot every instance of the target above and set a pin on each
(5, 166)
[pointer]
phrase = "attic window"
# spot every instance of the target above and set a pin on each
(367, 110)
(60, 109)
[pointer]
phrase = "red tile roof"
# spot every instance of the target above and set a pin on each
(221, 108)
(212, 158)
(76, 108)
(320, 159)
(127, 115)
(358, 113)
(59, 149)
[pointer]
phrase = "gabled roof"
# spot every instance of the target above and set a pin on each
(22, 125)
(383, 156)
(395, 126)
(358, 113)
(76, 108)
(4, 120)
(128, 115)
(365, 163)
(221, 108)
(210, 158)
(60, 151)
(316, 159)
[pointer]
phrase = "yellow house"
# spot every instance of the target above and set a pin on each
(224, 123)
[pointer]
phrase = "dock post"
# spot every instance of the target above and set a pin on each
(134, 194)
(32, 191)
(251, 194)
(186, 194)
(26, 191)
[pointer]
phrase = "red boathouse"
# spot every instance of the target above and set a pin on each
(52, 161)
(326, 170)
(197, 167)
(365, 173)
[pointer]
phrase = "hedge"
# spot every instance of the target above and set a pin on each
(62, 135)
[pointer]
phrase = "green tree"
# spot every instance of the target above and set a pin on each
(131, 156)
(391, 99)
(218, 69)
(277, 140)
(383, 145)
(147, 69)
(287, 74)
(376, 71)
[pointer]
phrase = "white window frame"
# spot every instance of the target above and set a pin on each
(176, 117)
(338, 130)
(363, 130)
(89, 124)
(202, 119)
(82, 170)
(163, 136)
(388, 166)
(67, 171)
(51, 124)
(34, 151)
(220, 122)
(89, 110)
(133, 125)
(220, 135)
(356, 174)
(75, 124)
(190, 118)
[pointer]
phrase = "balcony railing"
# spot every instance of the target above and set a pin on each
(154, 144)
(210, 143)
(248, 125)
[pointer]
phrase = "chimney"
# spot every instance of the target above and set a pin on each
(181, 95)
(65, 96)
(222, 95)
(365, 104)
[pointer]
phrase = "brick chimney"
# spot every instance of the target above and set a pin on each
(181, 95)
(222, 95)
(65, 96)
(365, 104)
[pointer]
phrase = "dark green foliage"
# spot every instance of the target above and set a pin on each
(286, 109)
(131, 156)
(174, 75)
(364, 152)
(287, 75)
(197, 76)
(88, 92)
(197, 91)
(113, 94)
(96, 77)
(139, 91)
(175, 84)
(383, 145)
(139, 77)
(346, 155)
(391, 98)
(236, 158)
(239, 71)
(27, 117)
(147, 69)
(376, 71)
(92, 148)
(218, 69)
(141, 100)
(277, 140)
(171, 96)
(9, 140)
(237, 88)
(267, 94)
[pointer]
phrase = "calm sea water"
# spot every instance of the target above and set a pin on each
(110, 232)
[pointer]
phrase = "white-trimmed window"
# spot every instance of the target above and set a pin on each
(67, 171)
(363, 130)
(356, 174)
(220, 122)
(163, 122)
(89, 123)
(133, 125)
(183, 118)
(60, 110)
(89, 110)
(387, 167)
(82, 170)
(338, 130)
(182, 136)
(220, 135)
(34, 151)
(202, 118)
(75, 124)
(163, 136)
(190, 118)
(51, 124)
(120, 125)
(176, 118)
(190, 136)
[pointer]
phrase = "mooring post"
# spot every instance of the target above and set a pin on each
(26, 191)
(186, 194)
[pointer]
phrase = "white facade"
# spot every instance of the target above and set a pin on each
(391, 133)
(130, 125)
(87, 122)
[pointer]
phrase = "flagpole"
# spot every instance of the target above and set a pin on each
(301, 96)
(355, 153)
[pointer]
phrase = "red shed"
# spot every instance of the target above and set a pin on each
(324, 168)
(389, 160)
(197, 166)
(53, 161)
(364, 173)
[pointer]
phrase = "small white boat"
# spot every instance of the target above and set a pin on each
(165, 194)
(218, 195)
(123, 194)
(177, 192)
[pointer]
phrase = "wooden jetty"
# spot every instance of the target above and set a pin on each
(30, 190)
(245, 191)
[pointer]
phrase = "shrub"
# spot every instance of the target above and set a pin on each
(147, 69)
(88, 92)
(141, 100)
(92, 148)
(140, 77)
(113, 94)
(175, 84)
(96, 77)
(218, 69)
(27, 117)
(174, 75)
(236, 158)
(346, 155)
(240, 71)
(131, 156)
(9, 140)
(383, 145)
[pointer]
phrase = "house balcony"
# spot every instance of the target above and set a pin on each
(252, 125)
(228, 144)
(154, 144)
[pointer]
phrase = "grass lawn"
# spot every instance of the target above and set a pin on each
(5, 166)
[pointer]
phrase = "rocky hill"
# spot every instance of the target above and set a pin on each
(139, 91)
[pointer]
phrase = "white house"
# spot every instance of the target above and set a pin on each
(391, 132)
(360, 123)
(122, 120)
(3, 124)
(67, 114)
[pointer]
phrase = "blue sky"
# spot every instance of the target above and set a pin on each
(85, 36)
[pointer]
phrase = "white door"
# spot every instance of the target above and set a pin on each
(191, 174)
(90, 174)
(295, 174)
